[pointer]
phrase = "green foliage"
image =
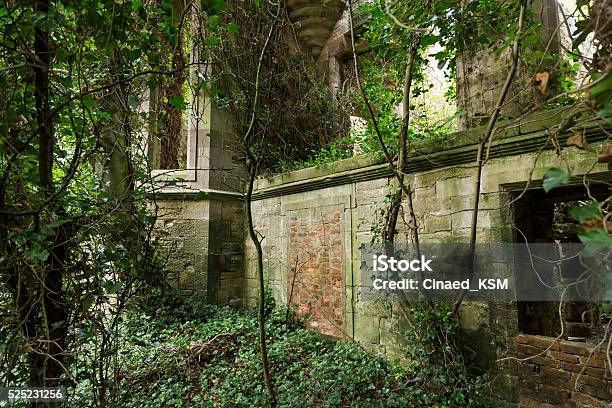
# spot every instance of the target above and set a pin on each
(554, 177)
(441, 31)
(383, 73)
(591, 210)
(600, 94)
(295, 117)
(337, 149)
(595, 240)
(74, 249)
(437, 362)
(184, 353)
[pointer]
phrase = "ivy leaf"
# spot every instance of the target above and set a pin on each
(554, 177)
(212, 41)
(132, 101)
(595, 240)
(177, 102)
(112, 287)
(606, 112)
(88, 301)
(232, 28)
(213, 22)
(602, 86)
(580, 39)
(36, 253)
(588, 211)
(577, 139)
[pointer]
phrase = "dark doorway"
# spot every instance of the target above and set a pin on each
(541, 217)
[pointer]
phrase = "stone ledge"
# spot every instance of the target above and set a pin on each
(459, 148)
(174, 175)
(185, 194)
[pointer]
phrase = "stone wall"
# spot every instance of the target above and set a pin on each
(199, 211)
(204, 240)
(314, 221)
(562, 374)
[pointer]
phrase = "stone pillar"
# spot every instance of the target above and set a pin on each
(481, 73)
(200, 208)
(314, 21)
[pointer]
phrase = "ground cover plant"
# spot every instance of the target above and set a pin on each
(178, 353)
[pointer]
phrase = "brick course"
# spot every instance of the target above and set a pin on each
(553, 377)
(316, 276)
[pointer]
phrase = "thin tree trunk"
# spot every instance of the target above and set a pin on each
(252, 164)
(53, 310)
(393, 211)
(389, 232)
(480, 157)
(261, 309)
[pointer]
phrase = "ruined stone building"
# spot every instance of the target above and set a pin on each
(314, 220)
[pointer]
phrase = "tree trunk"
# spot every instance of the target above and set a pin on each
(53, 310)
(261, 309)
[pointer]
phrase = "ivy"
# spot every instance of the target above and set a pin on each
(553, 178)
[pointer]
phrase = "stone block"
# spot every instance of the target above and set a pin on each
(374, 196)
(373, 308)
(437, 223)
(201, 228)
(473, 315)
(367, 329)
(454, 187)
(461, 210)
(395, 344)
(436, 238)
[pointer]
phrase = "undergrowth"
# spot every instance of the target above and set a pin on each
(185, 354)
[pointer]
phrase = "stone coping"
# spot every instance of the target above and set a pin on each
(173, 175)
(512, 138)
(178, 193)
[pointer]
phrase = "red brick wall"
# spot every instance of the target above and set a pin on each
(315, 283)
(549, 380)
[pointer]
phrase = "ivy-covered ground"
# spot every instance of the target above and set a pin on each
(190, 355)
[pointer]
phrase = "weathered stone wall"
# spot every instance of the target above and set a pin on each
(314, 219)
(204, 240)
(182, 228)
(562, 374)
